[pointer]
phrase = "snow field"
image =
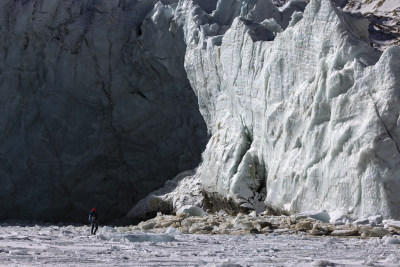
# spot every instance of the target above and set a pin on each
(70, 245)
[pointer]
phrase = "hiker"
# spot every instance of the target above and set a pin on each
(93, 219)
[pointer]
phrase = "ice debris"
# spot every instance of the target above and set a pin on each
(122, 237)
(172, 231)
(191, 211)
(392, 241)
(322, 216)
(304, 224)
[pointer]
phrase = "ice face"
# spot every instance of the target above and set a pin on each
(310, 116)
(95, 113)
(98, 109)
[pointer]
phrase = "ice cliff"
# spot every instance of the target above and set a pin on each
(103, 101)
(303, 112)
(94, 111)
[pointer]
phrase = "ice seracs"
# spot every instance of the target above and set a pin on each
(302, 118)
(311, 116)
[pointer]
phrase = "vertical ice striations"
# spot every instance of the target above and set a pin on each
(98, 109)
(307, 120)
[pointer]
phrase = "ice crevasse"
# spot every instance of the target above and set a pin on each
(303, 113)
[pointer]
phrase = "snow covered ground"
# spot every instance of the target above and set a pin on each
(71, 245)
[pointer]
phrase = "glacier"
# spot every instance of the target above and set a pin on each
(94, 112)
(302, 111)
(312, 116)
(248, 104)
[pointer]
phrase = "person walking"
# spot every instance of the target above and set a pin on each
(93, 219)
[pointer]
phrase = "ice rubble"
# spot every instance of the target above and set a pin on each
(307, 224)
(182, 191)
(191, 211)
(321, 216)
(121, 237)
(303, 115)
(112, 234)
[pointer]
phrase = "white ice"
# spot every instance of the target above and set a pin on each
(71, 245)
(307, 120)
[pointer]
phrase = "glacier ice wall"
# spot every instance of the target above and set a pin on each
(96, 109)
(304, 115)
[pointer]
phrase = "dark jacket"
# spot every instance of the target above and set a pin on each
(93, 217)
